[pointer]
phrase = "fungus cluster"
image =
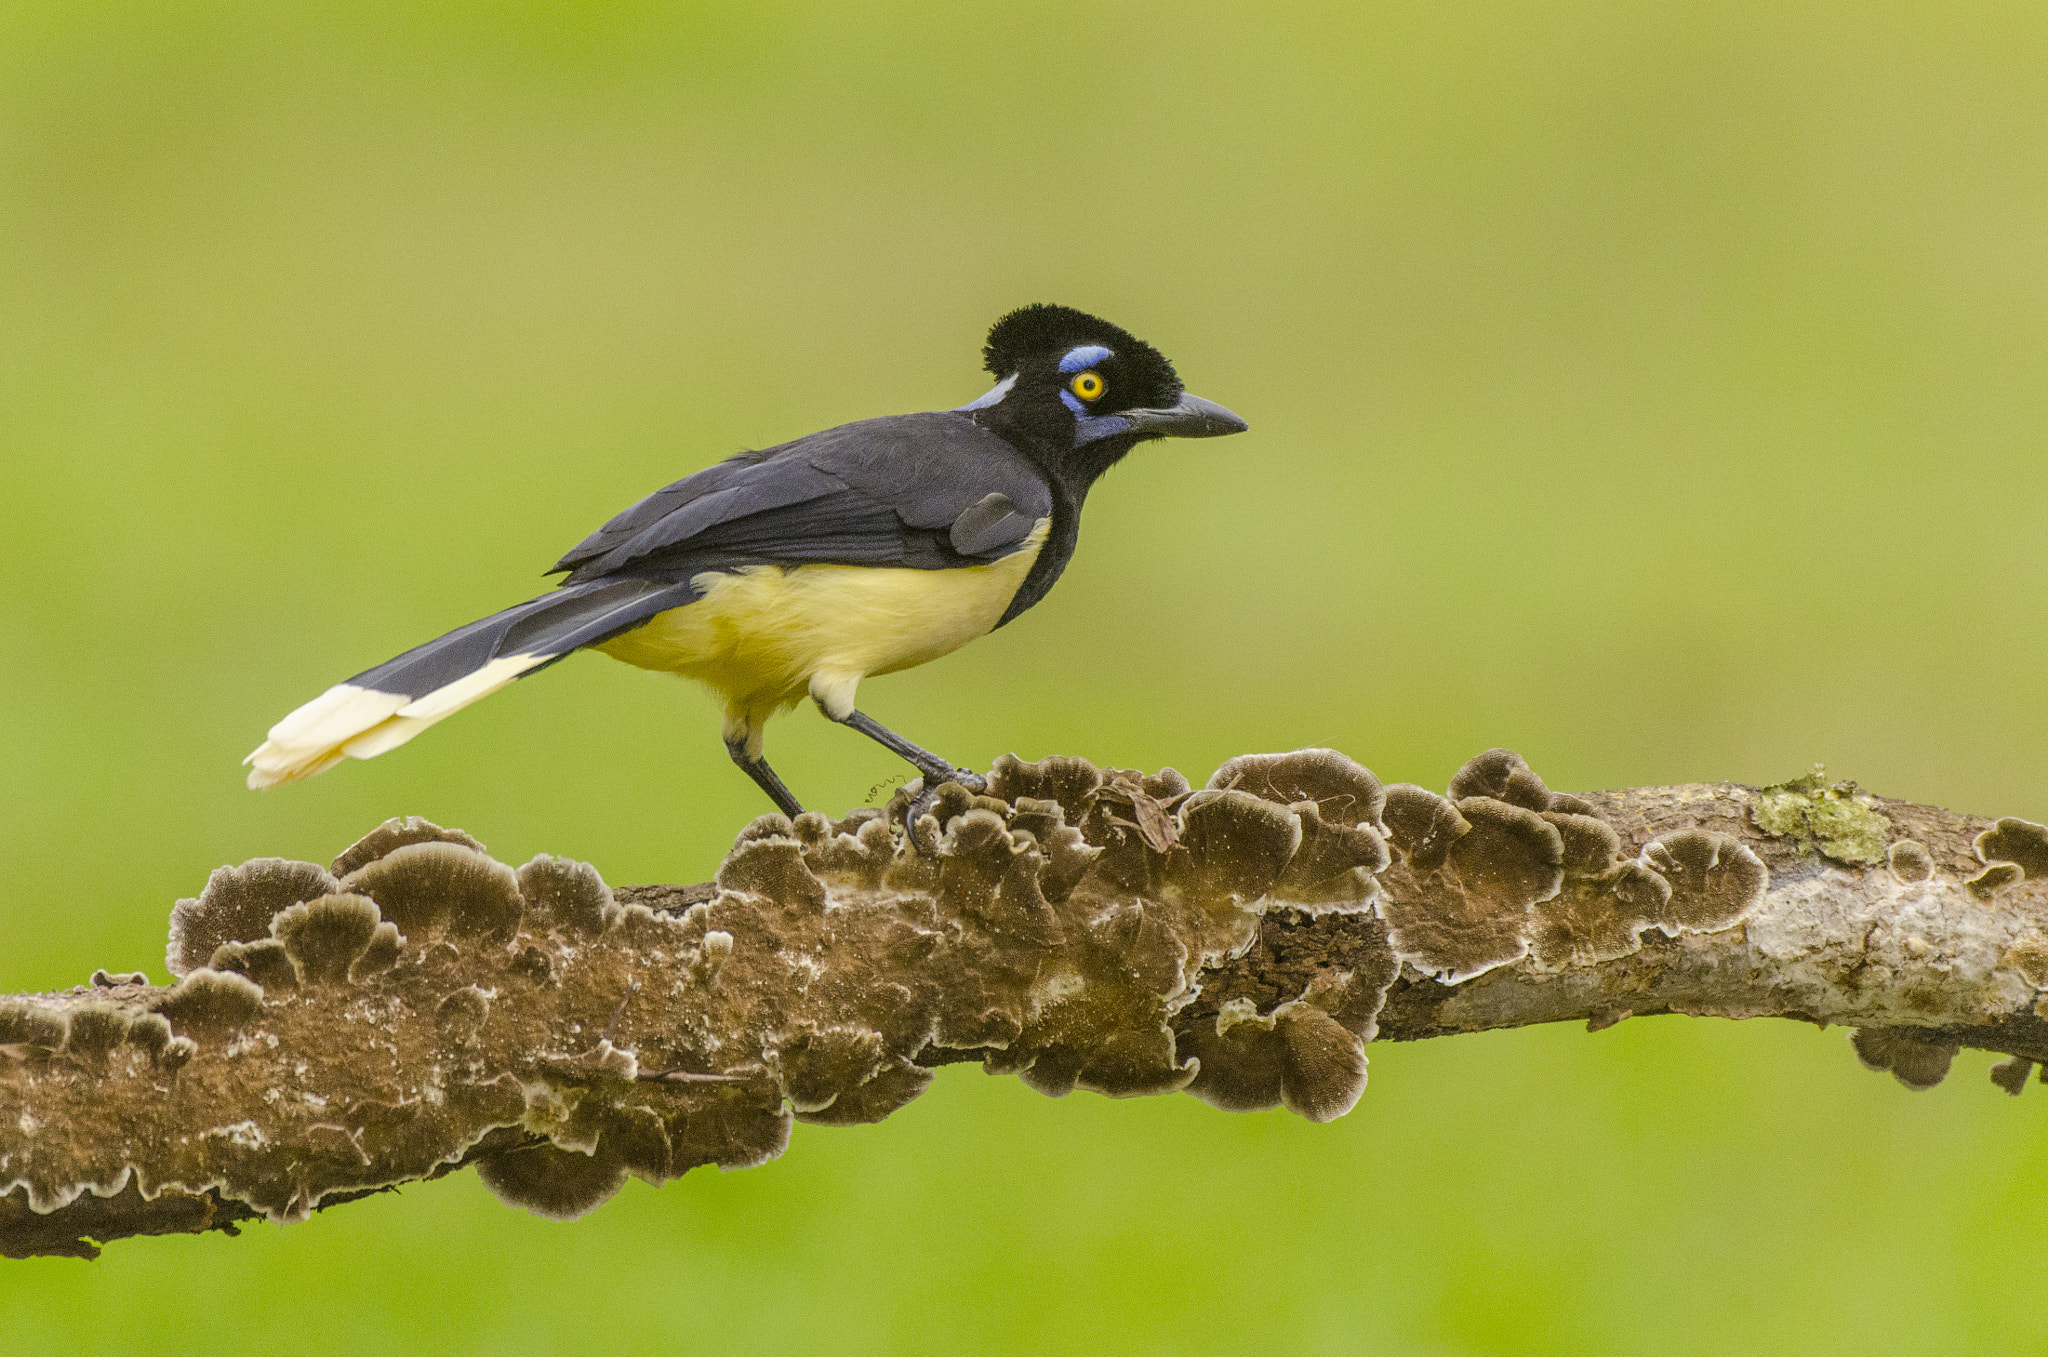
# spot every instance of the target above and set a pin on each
(416, 1005)
(1914, 1061)
(1504, 868)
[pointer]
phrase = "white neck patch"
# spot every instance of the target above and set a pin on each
(991, 396)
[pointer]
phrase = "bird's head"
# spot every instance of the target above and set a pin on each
(1084, 390)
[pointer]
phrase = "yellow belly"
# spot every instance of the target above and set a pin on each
(765, 635)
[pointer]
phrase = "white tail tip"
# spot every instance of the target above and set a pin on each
(361, 723)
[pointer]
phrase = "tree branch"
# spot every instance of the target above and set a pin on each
(418, 1007)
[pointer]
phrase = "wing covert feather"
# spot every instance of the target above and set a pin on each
(887, 491)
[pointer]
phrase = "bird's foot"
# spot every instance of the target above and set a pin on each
(927, 796)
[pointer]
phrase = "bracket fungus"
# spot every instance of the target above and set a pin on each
(393, 834)
(1916, 1063)
(1713, 880)
(237, 906)
(1995, 878)
(418, 1006)
(2020, 843)
(2011, 1074)
(1602, 905)
(1910, 861)
(1469, 870)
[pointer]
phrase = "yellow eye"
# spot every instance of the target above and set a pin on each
(1087, 385)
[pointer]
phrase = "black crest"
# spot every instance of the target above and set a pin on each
(1045, 331)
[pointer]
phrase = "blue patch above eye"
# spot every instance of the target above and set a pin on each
(1087, 356)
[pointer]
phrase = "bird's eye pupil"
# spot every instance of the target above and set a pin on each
(1087, 385)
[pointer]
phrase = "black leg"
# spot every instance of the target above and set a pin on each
(933, 768)
(764, 777)
(935, 771)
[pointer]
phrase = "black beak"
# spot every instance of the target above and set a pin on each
(1192, 417)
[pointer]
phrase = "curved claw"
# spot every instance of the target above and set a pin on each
(914, 812)
(928, 795)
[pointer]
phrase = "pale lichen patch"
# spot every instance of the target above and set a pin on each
(1827, 817)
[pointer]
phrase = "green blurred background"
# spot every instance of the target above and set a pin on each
(1654, 388)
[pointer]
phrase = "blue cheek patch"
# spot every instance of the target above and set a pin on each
(1088, 429)
(1073, 402)
(1087, 356)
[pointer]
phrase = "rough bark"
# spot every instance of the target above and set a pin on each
(417, 1007)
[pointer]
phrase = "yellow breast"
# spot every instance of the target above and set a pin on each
(765, 635)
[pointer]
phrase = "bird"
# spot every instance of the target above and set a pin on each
(801, 569)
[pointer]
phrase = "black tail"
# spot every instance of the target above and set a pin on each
(548, 627)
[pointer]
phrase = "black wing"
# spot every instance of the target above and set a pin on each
(929, 491)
